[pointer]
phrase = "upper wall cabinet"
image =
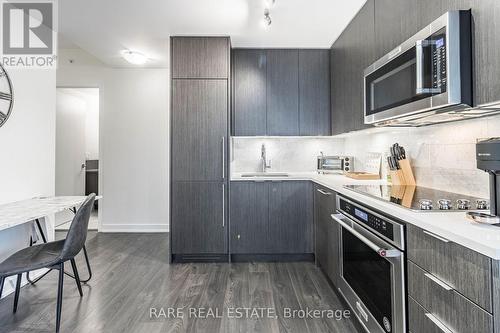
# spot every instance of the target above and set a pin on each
(249, 93)
(486, 46)
(200, 58)
(350, 55)
(314, 92)
(282, 92)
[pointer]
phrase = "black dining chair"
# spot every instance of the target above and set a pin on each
(51, 255)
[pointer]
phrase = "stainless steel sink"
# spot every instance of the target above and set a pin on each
(264, 174)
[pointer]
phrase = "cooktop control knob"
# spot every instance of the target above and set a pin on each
(425, 204)
(481, 204)
(463, 204)
(444, 204)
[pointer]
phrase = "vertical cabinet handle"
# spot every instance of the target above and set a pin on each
(223, 158)
(223, 206)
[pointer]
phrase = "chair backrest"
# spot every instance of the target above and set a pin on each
(77, 233)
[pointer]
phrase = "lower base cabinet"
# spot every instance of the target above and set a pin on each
(199, 226)
(271, 217)
(326, 233)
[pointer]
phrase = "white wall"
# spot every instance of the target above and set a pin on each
(134, 134)
(28, 137)
(27, 152)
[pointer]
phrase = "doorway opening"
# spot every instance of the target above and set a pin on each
(77, 148)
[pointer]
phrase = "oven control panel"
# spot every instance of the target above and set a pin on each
(374, 221)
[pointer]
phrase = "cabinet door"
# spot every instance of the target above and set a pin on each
(350, 55)
(282, 92)
(314, 92)
(198, 224)
(338, 62)
(290, 217)
(395, 22)
(326, 231)
(321, 238)
(361, 55)
(199, 127)
(200, 57)
(486, 46)
(249, 217)
(249, 92)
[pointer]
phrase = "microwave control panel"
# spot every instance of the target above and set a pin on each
(439, 62)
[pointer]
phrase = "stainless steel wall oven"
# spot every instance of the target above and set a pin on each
(372, 266)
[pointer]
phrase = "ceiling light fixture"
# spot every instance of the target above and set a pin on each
(135, 58)
(269, 3)
(267, 18)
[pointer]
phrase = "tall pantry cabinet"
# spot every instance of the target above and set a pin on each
(199, 148)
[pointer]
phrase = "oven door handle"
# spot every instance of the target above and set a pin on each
(386, 253)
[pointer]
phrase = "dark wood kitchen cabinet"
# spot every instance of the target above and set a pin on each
(350, 55)
(199, 221)
(271, 218)
(326, 247)
(249, 92)
(200, 57)
(199, 145)
(199, 116)
(291, 217)
(486, 46)
(249, 217)
(450, 286)
(314, 92)
(396, 21)
(282, 92)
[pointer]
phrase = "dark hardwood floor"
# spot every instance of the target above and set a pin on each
(133, 279)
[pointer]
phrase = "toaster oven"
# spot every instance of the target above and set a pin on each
(335, 164)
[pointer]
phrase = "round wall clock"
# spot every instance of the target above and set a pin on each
(6, 96)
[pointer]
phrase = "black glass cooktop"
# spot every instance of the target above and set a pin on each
(421, 199)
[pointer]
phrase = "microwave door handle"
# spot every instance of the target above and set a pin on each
(420, 68)
(387, 253)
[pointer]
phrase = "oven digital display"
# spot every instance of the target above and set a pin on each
(362, 215)
(439, 42)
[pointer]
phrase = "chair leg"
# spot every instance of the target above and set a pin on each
(18, 289)
(77, 277)
(59, 296)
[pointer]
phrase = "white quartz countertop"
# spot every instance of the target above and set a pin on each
(453, 226)
(19, 212)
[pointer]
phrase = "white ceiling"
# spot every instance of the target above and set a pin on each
(105, 27)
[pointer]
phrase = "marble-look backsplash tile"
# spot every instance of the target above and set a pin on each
(287, 154)
(443, 156)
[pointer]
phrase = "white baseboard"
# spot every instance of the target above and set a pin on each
(10, 282)
(134, 228)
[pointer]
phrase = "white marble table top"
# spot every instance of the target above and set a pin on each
(25, 211)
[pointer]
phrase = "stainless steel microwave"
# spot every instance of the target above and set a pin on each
(426, 79)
